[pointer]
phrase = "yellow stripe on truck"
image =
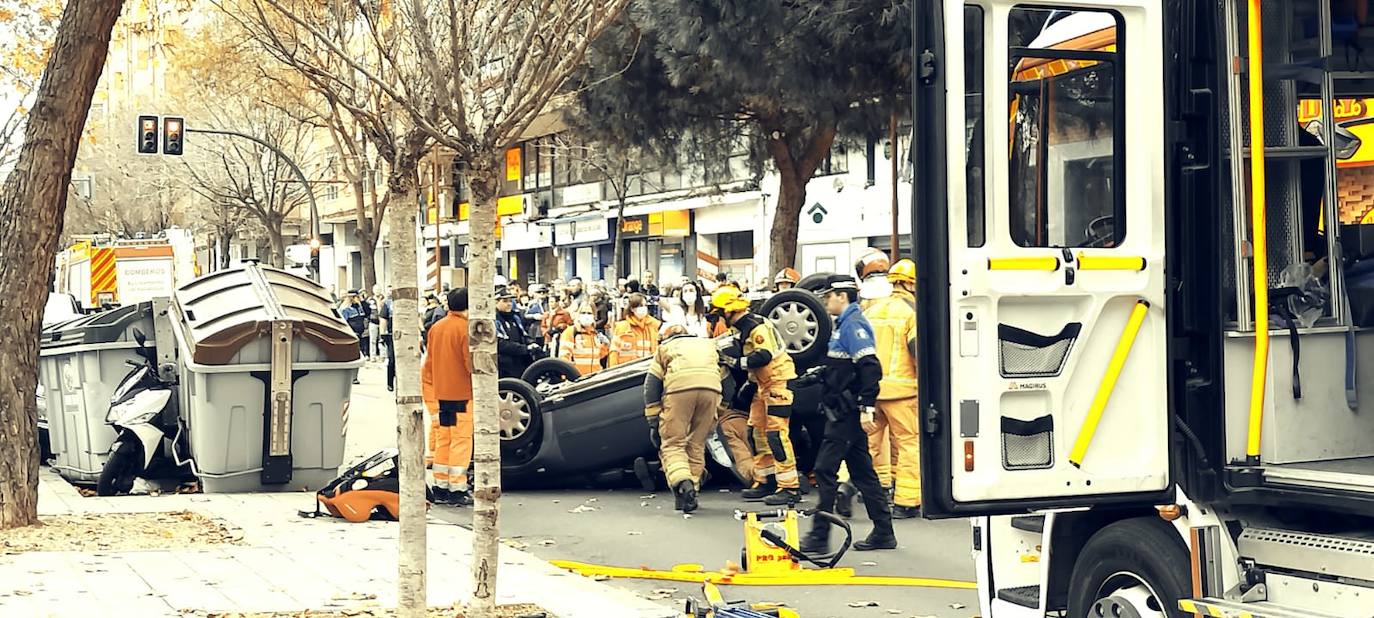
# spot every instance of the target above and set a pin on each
(1047, 263)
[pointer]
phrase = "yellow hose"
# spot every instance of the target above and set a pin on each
(1258, 233)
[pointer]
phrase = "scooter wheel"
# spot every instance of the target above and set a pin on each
(124, 464)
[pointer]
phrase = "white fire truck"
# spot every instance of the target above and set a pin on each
(1146, 302)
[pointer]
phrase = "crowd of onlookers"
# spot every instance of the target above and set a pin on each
(592, 325)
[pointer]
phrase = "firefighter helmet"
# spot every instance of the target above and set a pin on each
(729, 299)
(787, 274)
(904, 271)
(871, 262)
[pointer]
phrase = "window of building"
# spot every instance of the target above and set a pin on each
(736, 245)
(836, 161)
(1067, 142)
(332, 191)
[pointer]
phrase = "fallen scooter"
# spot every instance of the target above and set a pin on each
(148, 426)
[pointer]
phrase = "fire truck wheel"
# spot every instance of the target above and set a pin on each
(1135, 567)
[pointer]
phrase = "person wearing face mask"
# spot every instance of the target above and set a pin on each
(758, 350)
(636, 335)
(693, 309)
(581, 344)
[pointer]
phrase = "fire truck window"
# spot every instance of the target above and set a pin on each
(973, 125)
(1067, 138)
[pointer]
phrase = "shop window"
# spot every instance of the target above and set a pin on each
(1067, 142)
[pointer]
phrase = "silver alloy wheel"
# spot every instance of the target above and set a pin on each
(797, 325)
(1127, 595)
(515, 415)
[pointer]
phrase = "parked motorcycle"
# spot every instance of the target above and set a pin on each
(143, 411)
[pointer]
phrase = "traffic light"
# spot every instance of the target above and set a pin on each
(173, 135)
(315, 256)
(147, 135)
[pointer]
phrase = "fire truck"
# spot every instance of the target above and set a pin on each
(101, 271)
(1146, 296)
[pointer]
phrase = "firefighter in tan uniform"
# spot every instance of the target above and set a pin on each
(770, 368)
(893, 441)
(681, 393)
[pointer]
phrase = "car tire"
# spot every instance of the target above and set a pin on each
(815, 282)
(1139, 563)
(124, 464)
(803, 323)
(550, 371)
(521, 423)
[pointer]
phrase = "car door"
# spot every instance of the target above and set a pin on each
(1043, 340)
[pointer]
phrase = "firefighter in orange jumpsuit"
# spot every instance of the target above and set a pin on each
(448, 372)
(764, 357)
(581, 345)
(635, 336)
(894, 428)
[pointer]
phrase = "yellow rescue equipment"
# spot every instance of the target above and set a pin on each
(770, 558)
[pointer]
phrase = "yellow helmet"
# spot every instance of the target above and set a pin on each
(904, 271)
(729, 299)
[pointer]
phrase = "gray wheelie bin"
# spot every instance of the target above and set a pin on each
(80, 363)
(267, 368)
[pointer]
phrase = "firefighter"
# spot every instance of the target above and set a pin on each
(681, 393)
(636, 335)
(448, 367)
(893, 441)
(786, 279)
(903, 278)
(769, 367)
(581, 344)
(850, 375)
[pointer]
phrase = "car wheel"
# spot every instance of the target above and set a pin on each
(1136, 567)
(814, 282)
(125, 462)
(518, 412)
(546, 372)
(803, 323)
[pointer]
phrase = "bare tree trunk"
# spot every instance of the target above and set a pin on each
(619, 236)
(367, 245)
(277, 246)
(410, 417)
(486, 452)
(226, 244)
(783, 248)
(33, 201)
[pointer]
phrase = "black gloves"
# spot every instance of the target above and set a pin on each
(656, 439)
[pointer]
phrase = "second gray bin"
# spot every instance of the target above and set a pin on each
(267, 371)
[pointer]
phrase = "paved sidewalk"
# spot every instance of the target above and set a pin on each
(284, 563)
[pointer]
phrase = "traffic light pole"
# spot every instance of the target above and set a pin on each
(309, 193)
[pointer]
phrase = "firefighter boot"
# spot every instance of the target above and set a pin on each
(459, 498)
(685, 493)
(844, 500)
(906, 512)
(816, 543)
(760, 491)
(880, 538)
(784, 497)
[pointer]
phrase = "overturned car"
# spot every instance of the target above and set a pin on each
(557, 426)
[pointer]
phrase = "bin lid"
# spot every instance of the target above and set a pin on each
(222, 312)
(113, 326)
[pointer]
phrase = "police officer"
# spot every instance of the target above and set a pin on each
(514, 349)
(893, 441)
(762, 355)
(681, 393)
(850, 374)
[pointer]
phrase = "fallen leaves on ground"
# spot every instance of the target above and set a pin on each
(118, 532)
(524, 610)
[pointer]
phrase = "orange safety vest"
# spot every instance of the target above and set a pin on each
(634, 338)
(584, 349)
